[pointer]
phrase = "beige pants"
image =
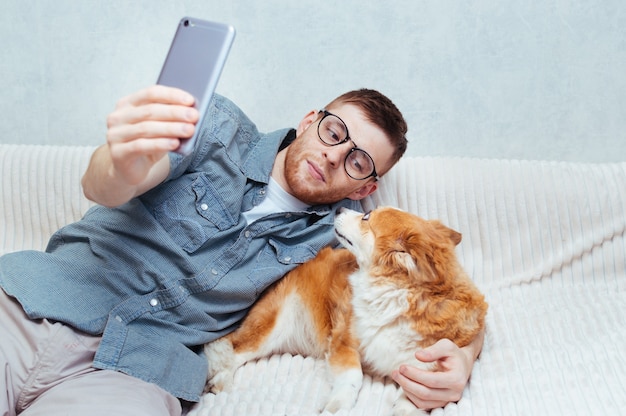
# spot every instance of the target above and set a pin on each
(45, 369)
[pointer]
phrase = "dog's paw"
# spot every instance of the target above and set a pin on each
(222, 365)
(341, 400)
(222, 381)
(346, 387)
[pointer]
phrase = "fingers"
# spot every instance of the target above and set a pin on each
(151, 120)
(145, 126)
(441, 349)
(157, 94)
(426, 396)
(429, 389)
(131, 114)
(452, 379)
(149, 129)
(152, 149)
(153, 112)
(149, 138)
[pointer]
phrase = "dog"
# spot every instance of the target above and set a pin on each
(396, 286)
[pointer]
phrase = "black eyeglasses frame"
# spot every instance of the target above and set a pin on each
(327, 113)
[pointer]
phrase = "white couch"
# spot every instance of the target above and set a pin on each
(545, 241)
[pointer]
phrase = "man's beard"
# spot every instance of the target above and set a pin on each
(301, 184)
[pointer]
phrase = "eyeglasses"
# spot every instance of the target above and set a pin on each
(358, 164)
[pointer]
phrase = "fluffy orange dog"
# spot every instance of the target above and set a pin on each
(395, 288)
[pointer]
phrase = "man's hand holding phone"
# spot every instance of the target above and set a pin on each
(148, 124)
(144, 127)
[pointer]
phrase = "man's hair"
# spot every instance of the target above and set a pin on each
(382, 112)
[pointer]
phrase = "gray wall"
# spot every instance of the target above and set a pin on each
(529, 79)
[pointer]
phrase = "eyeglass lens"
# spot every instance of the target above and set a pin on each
(333, 131)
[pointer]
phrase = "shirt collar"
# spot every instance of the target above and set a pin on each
(258, 166)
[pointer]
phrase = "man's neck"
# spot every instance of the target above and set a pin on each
(278, 170)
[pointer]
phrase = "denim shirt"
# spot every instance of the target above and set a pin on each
(178, 266)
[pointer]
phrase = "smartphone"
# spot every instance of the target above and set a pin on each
(194, 63)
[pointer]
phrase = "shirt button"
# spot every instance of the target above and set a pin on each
(154, 302)
(287, 259)
(213, 271)
(287, 215)
(204, 207)
(247, 234)
(262, 192)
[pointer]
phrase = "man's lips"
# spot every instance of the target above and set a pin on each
(316, 172)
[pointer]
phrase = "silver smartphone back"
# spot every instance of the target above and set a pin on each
(194, 63)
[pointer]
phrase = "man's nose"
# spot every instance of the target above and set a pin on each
(337, 154)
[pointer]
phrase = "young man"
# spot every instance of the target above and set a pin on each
(110, 320)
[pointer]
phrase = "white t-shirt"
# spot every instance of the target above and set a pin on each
(277, 200)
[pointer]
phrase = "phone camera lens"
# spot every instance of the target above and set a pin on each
(186, 23)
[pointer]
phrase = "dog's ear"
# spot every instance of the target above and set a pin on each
(431, 250)
(414, 254)
(453, 235)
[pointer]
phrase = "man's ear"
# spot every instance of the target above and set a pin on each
(364, 191)
(307, 121)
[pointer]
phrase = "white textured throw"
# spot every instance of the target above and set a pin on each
(40, 191)
(545, 241)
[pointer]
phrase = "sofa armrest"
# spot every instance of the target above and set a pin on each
(41, 192)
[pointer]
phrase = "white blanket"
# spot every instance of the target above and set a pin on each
(546, 243)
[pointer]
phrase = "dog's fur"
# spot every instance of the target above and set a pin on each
(396, 287)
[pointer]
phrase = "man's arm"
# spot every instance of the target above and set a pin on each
(433, 389)
(141, 131)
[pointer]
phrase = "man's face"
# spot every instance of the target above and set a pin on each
(314, 171)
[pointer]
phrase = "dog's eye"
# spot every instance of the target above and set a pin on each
(366, 216)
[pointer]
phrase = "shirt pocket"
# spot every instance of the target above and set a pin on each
(276, 260)
(194, 214)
